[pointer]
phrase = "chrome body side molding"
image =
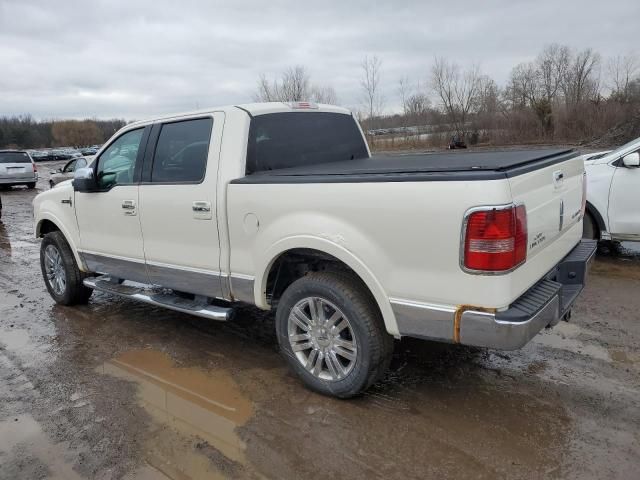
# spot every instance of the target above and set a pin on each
(422, 320)
(242, 287)
(185, 279)
(128, 268)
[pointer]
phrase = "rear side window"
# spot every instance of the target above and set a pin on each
(295, 139)
(14, 157)
(182, 151)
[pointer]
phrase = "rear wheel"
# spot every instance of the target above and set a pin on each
(589, 228)
(60, 271)
(332, 334)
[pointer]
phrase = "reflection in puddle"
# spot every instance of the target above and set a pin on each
(191, 403)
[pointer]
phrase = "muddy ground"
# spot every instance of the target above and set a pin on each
(116, 389)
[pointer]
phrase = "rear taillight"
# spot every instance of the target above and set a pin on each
(584, 194)
(34, 167)
(495, 239)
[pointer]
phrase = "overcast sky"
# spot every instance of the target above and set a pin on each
(138, 58)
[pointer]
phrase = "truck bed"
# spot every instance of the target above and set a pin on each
(485, 165)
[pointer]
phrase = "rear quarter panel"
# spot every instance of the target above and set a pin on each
(402, 238)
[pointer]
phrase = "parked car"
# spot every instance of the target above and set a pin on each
(456, 142)
(66, 172)
(38, 156)
(285, 209)
(88, 151)
(17, 168)
(613, 195)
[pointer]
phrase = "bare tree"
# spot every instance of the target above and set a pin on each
(370, 84)
(404, 91)
(622, 70)
(326, 94)
(582, 80)
(294, 85)
(457, 91)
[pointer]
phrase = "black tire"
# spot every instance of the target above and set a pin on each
(74, 291)
(374, 344)
(589, 228)
(31, 186)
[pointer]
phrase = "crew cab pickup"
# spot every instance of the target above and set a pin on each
(283, 207)
(613, 194)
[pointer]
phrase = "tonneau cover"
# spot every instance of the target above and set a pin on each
(419, 167)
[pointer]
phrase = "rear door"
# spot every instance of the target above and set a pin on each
(178, 205)
(108, 220)
(16, 166)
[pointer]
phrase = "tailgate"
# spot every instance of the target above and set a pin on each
(16, 171)
(553, 197)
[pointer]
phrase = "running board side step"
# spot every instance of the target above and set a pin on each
(144, 293)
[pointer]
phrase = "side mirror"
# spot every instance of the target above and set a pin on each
(632, 160)
(83, 180)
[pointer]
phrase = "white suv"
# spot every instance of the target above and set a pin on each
(613, 195)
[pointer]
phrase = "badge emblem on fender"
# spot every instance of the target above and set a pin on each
(561, 215)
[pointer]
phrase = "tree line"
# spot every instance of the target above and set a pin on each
(563, 95)
(25, 132)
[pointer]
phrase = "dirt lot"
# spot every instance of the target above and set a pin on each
(121, 390)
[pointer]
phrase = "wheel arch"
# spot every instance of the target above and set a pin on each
(325, 252)
(49, 223)
(597, 217)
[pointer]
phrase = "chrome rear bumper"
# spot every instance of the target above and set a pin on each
(544, 304)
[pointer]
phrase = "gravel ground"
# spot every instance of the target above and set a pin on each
(116, 389)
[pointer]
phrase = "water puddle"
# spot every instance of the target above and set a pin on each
(196, 415)
(564, 336)
(22, 436)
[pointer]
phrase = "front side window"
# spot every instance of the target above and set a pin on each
(70, 167)
(117, 163)
(297, 139)
(182, 151)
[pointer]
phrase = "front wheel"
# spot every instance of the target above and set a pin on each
(60, 271)
(31, 186)
(332, 334)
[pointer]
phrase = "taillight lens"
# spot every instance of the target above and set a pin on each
(584, 194)
(34, 167)
(495, 239)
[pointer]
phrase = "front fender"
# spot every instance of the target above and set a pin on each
(48, 206)
(327, 246)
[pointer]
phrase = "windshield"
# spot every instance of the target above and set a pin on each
(14, 157)
(294, 139)
(624, 147)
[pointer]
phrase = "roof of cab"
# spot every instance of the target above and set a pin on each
(253, 109)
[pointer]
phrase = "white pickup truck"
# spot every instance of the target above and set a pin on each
(282, 206)
(613, 200)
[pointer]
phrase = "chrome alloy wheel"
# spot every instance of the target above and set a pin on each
(322, 338)
(56, 275)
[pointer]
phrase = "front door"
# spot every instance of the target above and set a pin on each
(178, 205)
(624, 203)
(109, 220)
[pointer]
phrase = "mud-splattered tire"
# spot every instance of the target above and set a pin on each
(332, 335)
(60, 271)
(589, 228)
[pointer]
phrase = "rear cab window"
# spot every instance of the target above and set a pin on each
(14, 157)
(295, 139)
(181, 151)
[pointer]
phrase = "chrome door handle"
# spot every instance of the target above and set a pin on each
(201, 207)
(128, 204)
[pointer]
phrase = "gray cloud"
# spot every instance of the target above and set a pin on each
(139, 58)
